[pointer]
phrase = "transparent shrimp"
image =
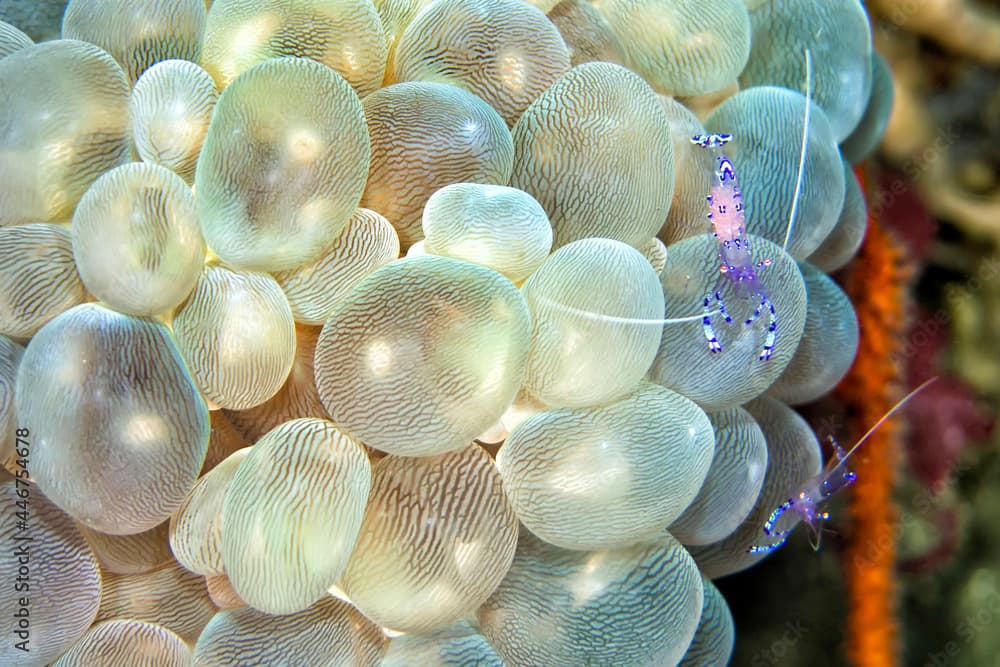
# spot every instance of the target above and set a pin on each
(728, 218)
(835, 477)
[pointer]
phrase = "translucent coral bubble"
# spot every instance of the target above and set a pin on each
(237, 335)
(733, 482)
(766, 124)
(610, 476)
(10, 359)
(438, 536)
(841, 76)
(345, 35)
(868, 134)
(693, 169)
(169, 596)
(829, 342)
(681, 47)
(196, 526)
(119, 430)
(138, 33)
(292, 514)
(426, 135)
(12, 39)
(222, 593)
(330, 632)
(636, 606)
(136, 239)
(426, 354)
(586, 32)
(596, 308)
(843, 243)
(458, 645)
(595, 150)
(38, 279)
(497, 226)
(735, 375)
(368, 242)
(297, 398)
(504, 51)
(130, 554)
(283, 165)
(793, 456)
(171, 107)
(123, 642)
(656, 254)
(67, 124)
(64, 582)
(713, 641)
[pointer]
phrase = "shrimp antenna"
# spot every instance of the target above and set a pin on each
(601, 317)
(893, 410)
(802, 152)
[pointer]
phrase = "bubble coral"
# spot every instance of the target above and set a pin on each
(118, 641)
(67, 125)
(278, 181)
(12, 39)
(346, 36)
(138, 33)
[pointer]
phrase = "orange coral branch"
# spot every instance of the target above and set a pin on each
(878, 283)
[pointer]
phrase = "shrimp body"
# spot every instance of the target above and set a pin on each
(737, 266)
(834, 478)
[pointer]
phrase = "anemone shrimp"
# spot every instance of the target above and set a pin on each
(834, 477)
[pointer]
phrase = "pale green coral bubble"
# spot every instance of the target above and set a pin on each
(766, 124)
(12, 39)
(595, 150)
(237, 335)
(171, 107)
(636, 606)
(793, 456)
(586, 32)
(735, 375)
(196, 525)
(169, 596)
(67, 124)
(505, 51)
(713, 641)
(438, 536)
(693, 169)
(425, 355)
(424, 136)
(610, 476)
(345, 35)
(366, 243)
(136, 239)
(829, 342)
(292, 514)
(38, 278)
(596, 310)
(122, 642)
(64, 581)
(866, 137)
(130, 554)
(138, 33)
(118, 429)
(458, 645)
(283, 165)
(845, 239)
(497, 226)
(838, 36)
(10, 359)
(681, 47)
(733, 482)
(330, 632)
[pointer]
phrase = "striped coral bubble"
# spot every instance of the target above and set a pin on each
(438, 536)
(122, 642)
(38, 278)
(292, 513)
